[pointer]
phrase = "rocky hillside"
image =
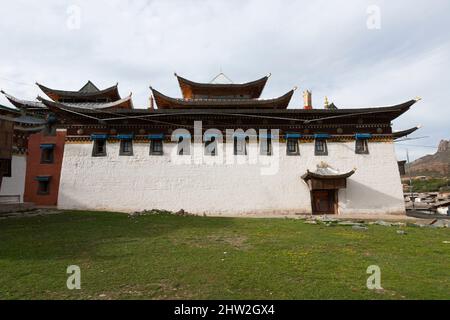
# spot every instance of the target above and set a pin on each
(436, 165)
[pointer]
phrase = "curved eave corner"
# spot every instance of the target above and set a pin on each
(404, 133)
(22, 104)
(312, 175)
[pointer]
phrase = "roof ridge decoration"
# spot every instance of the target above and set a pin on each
(89, 87)
(248, 90)
(223, 75)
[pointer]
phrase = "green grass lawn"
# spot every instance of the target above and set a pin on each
(174, 257)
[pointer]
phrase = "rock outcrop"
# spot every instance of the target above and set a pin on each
(437, 165)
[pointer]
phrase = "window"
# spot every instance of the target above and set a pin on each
(99, 149)
(184, 146)
(47, 155)
(43, 186)
(292, 147)
(240, 147)
(321, 147)
(265, 146)
(211, 147)
(156, 147)
(361, 146)
(126, 147)
(5, 167)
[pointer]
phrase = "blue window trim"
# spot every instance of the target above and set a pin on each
(321, 136)
(43, 178)
(99, 136)
(208, 136)
(47, 146)
(363, 136)
(125, 136)
(293, 135)
(266, 136)
(156, 136)
(239, 135)
(183, 135)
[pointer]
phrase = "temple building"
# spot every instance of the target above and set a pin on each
(38, 145)
(219, 149)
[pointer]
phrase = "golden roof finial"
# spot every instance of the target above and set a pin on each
(326, 102)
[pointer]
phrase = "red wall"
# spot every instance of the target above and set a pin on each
(36, 168)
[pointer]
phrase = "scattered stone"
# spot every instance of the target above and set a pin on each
(403, 232)
(445, 241)
(399, 224)
(310, 221)
(350, 223)
(383, 223)
(102, 295)
(326, 219)
(158, 212)
(360, 228)
(439, 223)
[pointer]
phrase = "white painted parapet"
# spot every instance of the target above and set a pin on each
(143, 181)
(15, 185)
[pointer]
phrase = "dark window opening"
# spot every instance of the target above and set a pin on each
(43, 187)
(183, 146)
(321, 147)
(265, 147)
(292, 147)
(5, 167)
(99, 149)
(361, 146)
(211, 147)
(156, 147)
(47, 155)
(126, 147)
(240, 146)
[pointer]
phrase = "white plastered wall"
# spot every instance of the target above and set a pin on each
(15, 185)
(142, 181)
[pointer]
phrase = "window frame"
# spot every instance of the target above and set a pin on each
(268, 144)
(361, 143)
(182, 151)
(243, 144)
(47, 189)
(213, 152)
(297, 147)
(50, 159)
(122, 151)
(156, 142)
(6, 163)
(323, 152)
(95, 151)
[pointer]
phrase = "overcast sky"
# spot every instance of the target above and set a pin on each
(340, 49)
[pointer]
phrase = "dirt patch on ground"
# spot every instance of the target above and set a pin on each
(238, 242)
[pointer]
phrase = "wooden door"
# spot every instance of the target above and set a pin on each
(323, 201)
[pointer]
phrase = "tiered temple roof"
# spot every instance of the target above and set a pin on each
(88, 97)
(88, 93)
(165, 102)
(196, 90)
(221, 96)
(91, 106)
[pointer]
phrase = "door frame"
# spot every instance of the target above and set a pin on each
(334, 198)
